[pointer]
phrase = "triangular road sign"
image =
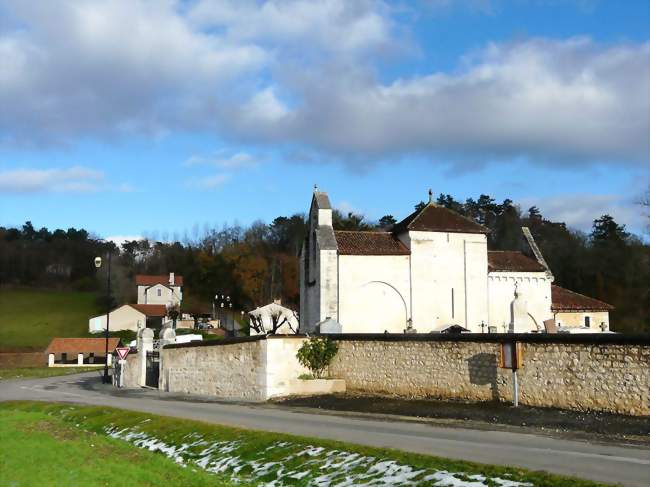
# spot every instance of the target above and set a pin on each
(122, 352)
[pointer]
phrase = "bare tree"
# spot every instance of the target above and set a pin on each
(644, 201)
(276, 317)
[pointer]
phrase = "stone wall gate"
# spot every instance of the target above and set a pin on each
(152, 373)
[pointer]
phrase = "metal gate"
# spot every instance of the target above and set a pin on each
(153, 368)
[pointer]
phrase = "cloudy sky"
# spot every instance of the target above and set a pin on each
(133, 117)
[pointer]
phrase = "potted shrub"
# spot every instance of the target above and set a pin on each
(316, 355)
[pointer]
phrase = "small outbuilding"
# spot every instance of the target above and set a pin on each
(574, 312)
(76, 352)
(130, 317)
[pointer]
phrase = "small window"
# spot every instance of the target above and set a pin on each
(159, 292)
(587, 322)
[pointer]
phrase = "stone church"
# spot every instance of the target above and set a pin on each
(432, 272)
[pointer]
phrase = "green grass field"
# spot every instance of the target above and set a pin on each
(31, 317)
(68, 440)
(40, 372)
(38, 449)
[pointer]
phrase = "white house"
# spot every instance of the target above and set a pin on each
(159, 289)
(129, 317)
(432, 271)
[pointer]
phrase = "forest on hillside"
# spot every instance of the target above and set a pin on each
(257, 263)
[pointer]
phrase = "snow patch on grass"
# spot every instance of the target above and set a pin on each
(311, 465)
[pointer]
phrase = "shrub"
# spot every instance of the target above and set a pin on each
(317, 354)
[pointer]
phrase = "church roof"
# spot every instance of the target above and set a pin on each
(369, 243)
(434, 218)
(512, 261)
(322, 200)
(565, 300)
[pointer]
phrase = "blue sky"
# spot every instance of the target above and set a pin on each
(155, 118)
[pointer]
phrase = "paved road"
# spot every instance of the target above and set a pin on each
(629, 465)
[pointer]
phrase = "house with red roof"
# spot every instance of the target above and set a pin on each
(573, 311)
(431, 272)
(159, 289)
(155, 294)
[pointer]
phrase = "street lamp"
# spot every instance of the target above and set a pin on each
(222, 306)
(98, 264)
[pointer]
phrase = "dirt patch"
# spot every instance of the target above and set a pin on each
(58, 431)
(11, 360)
(605, 426)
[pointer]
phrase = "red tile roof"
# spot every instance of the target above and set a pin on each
(147, 280)
(512, 261)
(565, 300)
(82, 345)
(154, 310)
(369, 243)
(434, 218)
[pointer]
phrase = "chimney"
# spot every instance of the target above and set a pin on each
(171, 278)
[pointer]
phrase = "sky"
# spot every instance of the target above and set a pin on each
(162, 118)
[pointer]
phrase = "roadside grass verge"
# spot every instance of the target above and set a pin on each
(262, 458)
(38, 448)
(41, 372)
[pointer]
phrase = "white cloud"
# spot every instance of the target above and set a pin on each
(74, 68)
(338, 26)
(580, 210)
(71, 180)
(554, 101)
(120, 239)
(209, 182)
(303, 75)
(222, 160)
(346, 207)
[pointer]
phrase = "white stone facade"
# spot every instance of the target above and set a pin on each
(123, 318)
(160, 294)
(432, 271)
(535, 290)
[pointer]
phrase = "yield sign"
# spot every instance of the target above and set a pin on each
(122, 352)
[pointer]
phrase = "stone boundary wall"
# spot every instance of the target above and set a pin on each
(131, 371)
(249, 369)
(230, 370)
(584, 374)
(587, 372)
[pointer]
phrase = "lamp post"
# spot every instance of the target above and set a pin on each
(98, 264)
(222, 304)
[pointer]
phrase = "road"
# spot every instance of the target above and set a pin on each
(628, 465)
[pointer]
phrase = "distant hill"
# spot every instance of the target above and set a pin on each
(31, 317)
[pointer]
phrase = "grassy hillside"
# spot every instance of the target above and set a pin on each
(31, 317)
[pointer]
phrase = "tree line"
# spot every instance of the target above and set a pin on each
(257, 263)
